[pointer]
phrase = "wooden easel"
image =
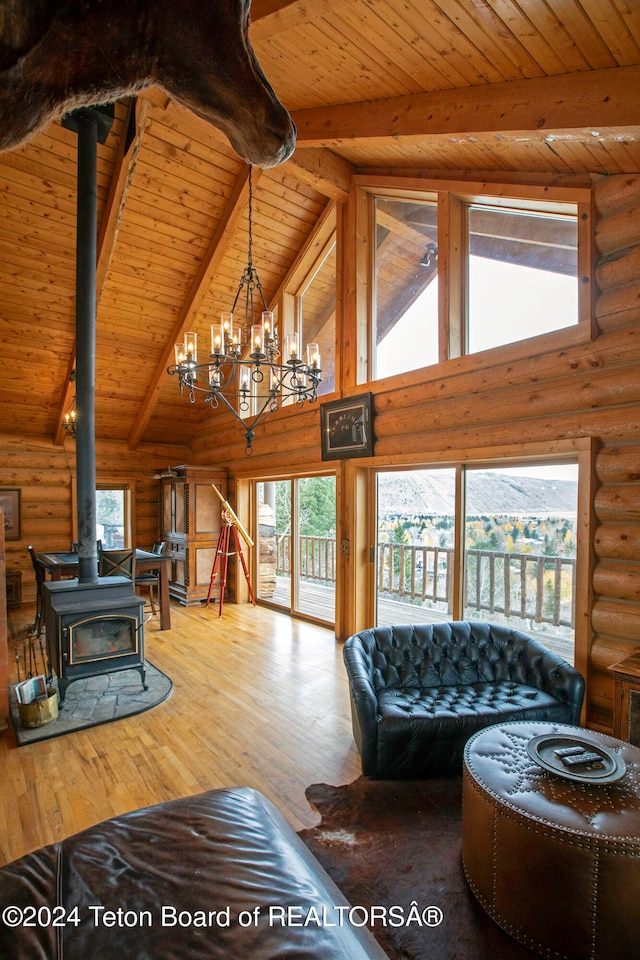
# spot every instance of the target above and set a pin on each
(228, 530)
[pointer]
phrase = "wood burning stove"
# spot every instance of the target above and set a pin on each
(93, 628)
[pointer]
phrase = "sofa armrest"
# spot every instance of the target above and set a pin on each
(539, 667)
(563, 682)
(364, 701)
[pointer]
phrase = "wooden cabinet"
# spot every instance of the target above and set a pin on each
(626, 704)
(190, 515)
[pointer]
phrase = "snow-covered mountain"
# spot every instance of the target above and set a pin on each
(421, 493)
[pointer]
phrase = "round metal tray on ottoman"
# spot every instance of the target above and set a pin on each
(551, 850)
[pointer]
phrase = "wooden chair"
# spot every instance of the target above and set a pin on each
(117, 563)
(40, 578)
(149, 579)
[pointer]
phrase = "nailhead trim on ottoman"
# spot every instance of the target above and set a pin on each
(555, 862)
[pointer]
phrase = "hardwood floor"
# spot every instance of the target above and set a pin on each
(258, 699)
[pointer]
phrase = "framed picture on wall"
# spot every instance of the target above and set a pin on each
(347, 428)
(10, 500)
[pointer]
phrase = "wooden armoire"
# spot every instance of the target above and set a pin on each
(190, 523)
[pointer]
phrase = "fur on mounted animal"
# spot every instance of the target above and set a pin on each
(57, 55)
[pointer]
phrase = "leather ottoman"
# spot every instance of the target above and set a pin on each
(555, 862)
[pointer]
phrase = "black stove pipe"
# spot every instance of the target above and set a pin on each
(92, 125)
(86, 247)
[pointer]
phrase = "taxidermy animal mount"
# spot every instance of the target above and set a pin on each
(56, 55)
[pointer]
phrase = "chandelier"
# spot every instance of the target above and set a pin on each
(70, 419)
(245, 371)
(71, 416)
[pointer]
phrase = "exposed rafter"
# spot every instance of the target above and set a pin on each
(269, 17)
(586, 100)
(385, 92)
(328, 173)
(222, 236)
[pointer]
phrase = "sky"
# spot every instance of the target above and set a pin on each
(510, 303)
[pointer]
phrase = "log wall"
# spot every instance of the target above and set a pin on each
(44, 471)
(615, 617)
(567, 390)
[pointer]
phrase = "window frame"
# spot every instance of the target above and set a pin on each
(510, 203)
(129, 489)
(452, 199)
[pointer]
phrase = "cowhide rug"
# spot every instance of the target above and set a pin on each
(390, 843)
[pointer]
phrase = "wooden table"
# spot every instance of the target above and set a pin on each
(62, 564)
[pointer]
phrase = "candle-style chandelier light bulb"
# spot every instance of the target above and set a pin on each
(245, 372)
(70, 419)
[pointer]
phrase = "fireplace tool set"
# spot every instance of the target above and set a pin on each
(30, 655)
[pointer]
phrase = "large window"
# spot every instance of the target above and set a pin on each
(405, 327)
(452, 274)
(522, 277)
(493, 543)
(316, 303)
(306, 305)
(416, 544)
(520, 540)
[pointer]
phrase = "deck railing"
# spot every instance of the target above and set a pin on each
(317, 558)
(526, 585)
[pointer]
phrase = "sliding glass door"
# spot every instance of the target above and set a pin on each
(415, 551)
(296, 545)
(495, 543)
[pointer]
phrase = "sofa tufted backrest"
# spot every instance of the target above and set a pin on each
(456, 653)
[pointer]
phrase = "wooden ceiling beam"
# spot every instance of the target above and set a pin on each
(266, 8)
(119, 190)
(108, 233)
(234, 209)
(587, 100)
(323, 170)
(403, 228)
(270, 17)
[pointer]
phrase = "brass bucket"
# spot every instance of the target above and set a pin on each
(39, 712)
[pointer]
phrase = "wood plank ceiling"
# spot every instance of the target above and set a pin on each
(440, 87)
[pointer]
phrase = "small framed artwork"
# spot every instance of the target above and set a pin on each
(347, 427)
(10, 500)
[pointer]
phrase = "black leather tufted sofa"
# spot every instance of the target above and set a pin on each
(418, 692)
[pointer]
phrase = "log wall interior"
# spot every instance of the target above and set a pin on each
(44, 473)
(544, 95)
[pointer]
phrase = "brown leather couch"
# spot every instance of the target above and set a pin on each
(419, 691)
(219, 875)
